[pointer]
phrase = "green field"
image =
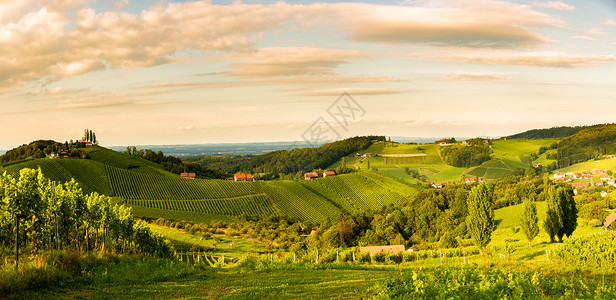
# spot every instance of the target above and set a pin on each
(507, 156)
(604, 164)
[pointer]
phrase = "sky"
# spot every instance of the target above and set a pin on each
(194, 72)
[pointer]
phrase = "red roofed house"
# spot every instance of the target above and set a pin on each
(311, 175)
(188, 175)
(329, 173)
(242, 177)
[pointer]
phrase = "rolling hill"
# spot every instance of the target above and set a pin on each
(400, 160)
(154, 192)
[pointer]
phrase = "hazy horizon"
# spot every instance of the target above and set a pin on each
(202, 72)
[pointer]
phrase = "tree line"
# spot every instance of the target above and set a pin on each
(590, 143)
(35, 215)
(288, 161)
(176, 165)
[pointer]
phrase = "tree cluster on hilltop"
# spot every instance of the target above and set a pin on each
(465, 156)
(38, 149)
(288, 161)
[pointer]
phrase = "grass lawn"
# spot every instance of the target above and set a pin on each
(240, 247)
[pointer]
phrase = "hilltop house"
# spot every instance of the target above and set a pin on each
(329, 173)
(243, 177)
(392, 249)
(311, 175)
(188, 175)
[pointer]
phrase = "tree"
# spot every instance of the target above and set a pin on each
(368, 166)
(530, 222)
(480, 220)
(561, 215)
(19, 198)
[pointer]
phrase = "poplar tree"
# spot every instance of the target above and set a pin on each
(480, 220)
(530, 222)
(561, 215)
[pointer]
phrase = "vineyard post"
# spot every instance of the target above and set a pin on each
(317, 259)
(53, 187)
(293, 257)
(353, 256)
(336, 256)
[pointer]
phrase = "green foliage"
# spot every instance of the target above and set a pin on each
(465, 156)
(594, 249)
(289, 161)
(480, 220)
(561, 216)
(548, 133)
(595, 223)
(530, 221)
(590, 143)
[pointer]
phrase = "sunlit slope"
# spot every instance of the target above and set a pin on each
(400, 160)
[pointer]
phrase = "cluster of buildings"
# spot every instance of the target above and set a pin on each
(438, 185)
(64, 154)
(313, 175)
(604, 179)
(366, 154)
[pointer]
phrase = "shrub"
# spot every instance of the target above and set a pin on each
(364, 257)
(595, 223)
(380, 257)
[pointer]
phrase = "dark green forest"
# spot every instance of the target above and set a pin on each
(592, 142)
(288, 161)
(548, 133)
(38, 149)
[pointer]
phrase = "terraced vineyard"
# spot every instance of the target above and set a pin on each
(153, 191)
(136, 185)
(254, 205)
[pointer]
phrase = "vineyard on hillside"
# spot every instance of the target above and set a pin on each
(316, 200)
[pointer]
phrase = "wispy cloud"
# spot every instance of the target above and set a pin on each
(536, 59)
(584, 37)
(476, 76)
(557, 5)
(353, 91)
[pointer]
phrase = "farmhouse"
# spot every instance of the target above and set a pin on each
(369, 155)
(311, 175)
(609, 222)
(392, 249)
(188, 175)
(243, 177)
(329, 173)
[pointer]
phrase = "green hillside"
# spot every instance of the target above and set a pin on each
(400, 160)
(154, 192)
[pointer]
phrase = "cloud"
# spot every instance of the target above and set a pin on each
(610, 22)
(475, 76)
(63, 38)
(353, 91)
(475, 23)
(584, 37)
(293, 61)
(557, 5)
(172, 84)
(537, 59)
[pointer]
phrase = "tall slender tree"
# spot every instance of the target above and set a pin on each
(530, 222)
(480, 220)
(561, 215)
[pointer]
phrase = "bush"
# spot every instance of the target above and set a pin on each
(364, 257)
(595, 223)
(380, 257)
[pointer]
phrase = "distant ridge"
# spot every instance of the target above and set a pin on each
(549, 133)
